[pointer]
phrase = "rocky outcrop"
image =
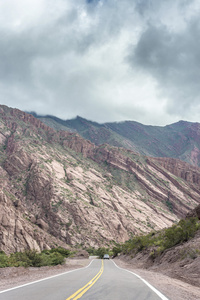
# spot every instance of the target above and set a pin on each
(181, 169)
(58, 188)
(194, 213)
(75, 142)
(180, 140)
(18, 233)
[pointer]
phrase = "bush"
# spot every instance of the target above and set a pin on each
(64, 252)
(164, 239)
(31, 258)
(101, 251)
(181, 232)
(91, 251)
(56, 259)
(3, 260)
(116, 250)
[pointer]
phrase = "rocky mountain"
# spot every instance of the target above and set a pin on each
(179, 140)
(58, 188)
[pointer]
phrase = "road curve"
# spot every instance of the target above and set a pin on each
(98, 281)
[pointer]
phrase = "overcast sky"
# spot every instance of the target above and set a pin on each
(104, 60)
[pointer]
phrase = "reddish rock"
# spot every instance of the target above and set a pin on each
(194, 213)
(58, 188)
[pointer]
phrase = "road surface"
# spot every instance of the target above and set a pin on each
(100, 280)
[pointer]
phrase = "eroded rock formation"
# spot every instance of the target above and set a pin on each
(58, 189)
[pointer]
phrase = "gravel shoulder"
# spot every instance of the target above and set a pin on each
(172, 288)
(12, 276)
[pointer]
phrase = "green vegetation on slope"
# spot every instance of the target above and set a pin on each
(31, 258)
(162, 240)
(156, 242)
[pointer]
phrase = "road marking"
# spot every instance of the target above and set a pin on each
(78, 294)
(148, 284)
(33, 282)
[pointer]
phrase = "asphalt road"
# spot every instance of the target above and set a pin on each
(101, 280)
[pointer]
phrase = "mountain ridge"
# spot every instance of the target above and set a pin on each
(178, 140)
(58, 188)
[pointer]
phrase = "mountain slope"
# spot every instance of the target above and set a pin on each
(57, 187)
(173, 251)
(179, 140)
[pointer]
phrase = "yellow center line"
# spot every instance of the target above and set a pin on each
(78, 294)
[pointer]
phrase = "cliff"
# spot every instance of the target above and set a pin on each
(58, 188)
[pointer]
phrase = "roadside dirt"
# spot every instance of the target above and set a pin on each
(173, 289)
(12, 276)
(176, 272)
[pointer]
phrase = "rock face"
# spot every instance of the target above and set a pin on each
(180, 169)
(180, 140)
(58, 188)
(17, 233)
(194, 213)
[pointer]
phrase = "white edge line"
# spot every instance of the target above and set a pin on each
(33, 282)
(147, 283)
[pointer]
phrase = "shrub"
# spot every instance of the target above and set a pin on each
(91, 251)
(181, 232)
(164, 239)
(56, 259)
(101, 251)
(31, 258)
(116, 250)
(64, 252)
(3, 260)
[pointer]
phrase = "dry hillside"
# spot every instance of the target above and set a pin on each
(57, 188)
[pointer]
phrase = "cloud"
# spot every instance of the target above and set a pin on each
(101, 59)
(172, 59)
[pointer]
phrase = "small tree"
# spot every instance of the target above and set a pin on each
(101, 251)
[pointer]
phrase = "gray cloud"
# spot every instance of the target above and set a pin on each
(173, 59)
(104, 60)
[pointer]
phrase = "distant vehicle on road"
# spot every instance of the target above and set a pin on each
(106, 256)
